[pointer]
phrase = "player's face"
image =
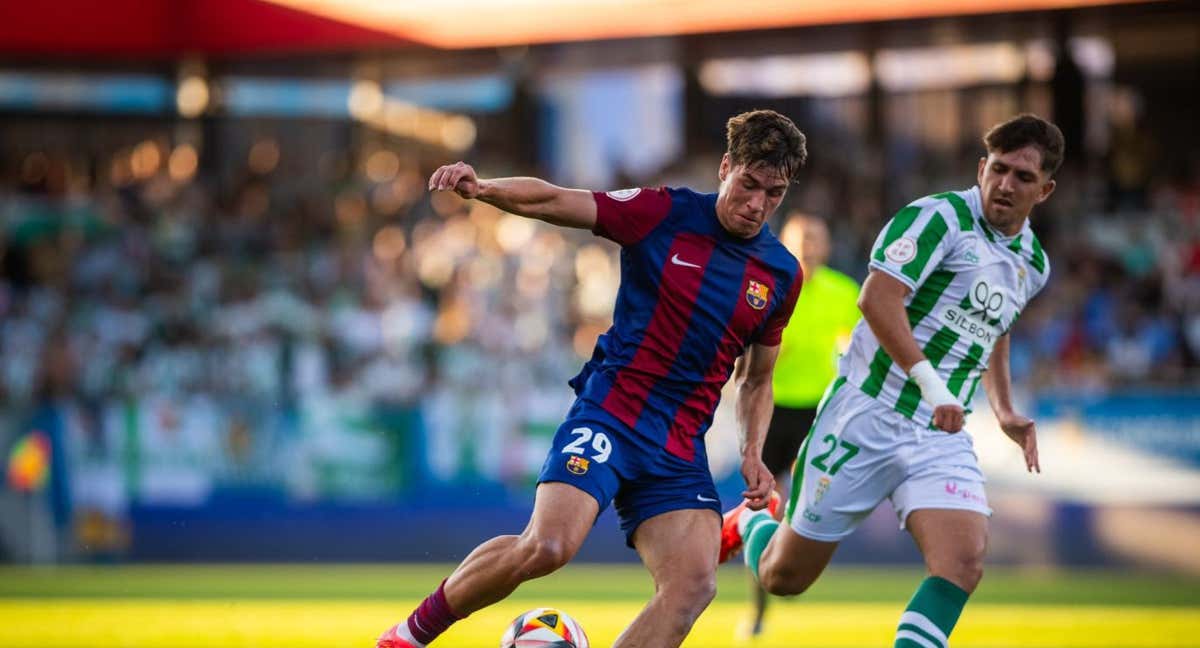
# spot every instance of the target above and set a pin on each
(1011, 184)
(748, 197)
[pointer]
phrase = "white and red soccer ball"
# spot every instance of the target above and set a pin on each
(544, 628)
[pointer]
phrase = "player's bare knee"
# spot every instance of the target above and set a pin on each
(690, 592)
(698, 585)
(543, 555)
(702, 591)
(789, 588)
(970, 572)
(686, 601)
(784, 583)
(964, 571)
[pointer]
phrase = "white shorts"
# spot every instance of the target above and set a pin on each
(860, 451)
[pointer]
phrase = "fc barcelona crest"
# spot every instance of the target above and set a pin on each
(577, 465)
(756, 295)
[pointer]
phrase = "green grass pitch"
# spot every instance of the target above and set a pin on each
(224, 606)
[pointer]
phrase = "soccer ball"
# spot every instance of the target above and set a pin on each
(544, 628)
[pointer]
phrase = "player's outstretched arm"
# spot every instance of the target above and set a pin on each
(882, 304)
(530, 197)
(997, 382)
(755, 403)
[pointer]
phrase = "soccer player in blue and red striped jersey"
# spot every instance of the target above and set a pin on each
(703, 281)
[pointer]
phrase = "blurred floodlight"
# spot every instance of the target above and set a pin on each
(445, 203)
(485, 216)
(389, 243)
(264, 156)
(513, 233)
(382, 166)
(192, 96)
(951, 66)
(497, 23)
(145, 160)
(597, 291)
(182, 163)
(1095, 56)
(452, 325)
(834, 74)
(435, 268)
(400, 117)
(590, 261)
(458, 133)
(428, 127)
(366, 99)
(596, 298)
(1040, 60)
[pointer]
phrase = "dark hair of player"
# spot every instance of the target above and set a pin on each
(766, 138)
(1024, 130)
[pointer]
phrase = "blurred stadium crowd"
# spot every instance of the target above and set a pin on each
(136, 275)
(292, 313)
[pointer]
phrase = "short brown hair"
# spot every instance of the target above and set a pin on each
(1024, 130)
(765, 137)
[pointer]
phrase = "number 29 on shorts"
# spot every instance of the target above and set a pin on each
(600, 444)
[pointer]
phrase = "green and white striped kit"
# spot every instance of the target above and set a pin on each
(969, 285)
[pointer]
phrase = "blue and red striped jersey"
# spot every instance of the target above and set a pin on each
(692, 298)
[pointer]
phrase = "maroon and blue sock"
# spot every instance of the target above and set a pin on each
(432, 617)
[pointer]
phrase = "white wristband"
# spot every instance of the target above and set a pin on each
(932, 387)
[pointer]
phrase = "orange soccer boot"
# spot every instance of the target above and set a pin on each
(731, 535)
(392, 639)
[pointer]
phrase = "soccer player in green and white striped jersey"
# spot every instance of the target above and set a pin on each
(950, 275)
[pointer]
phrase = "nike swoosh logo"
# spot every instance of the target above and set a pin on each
(706, 499)
(677, 261)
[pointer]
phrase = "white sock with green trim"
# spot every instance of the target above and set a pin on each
(757, 528)
(744, 520)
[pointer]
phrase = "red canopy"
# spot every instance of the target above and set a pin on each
(236, 28)
(169, 29)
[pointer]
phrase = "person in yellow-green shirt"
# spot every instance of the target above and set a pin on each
(825, 314)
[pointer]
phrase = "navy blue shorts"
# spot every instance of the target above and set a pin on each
(598, 454)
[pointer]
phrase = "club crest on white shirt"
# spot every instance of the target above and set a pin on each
(902, 250)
